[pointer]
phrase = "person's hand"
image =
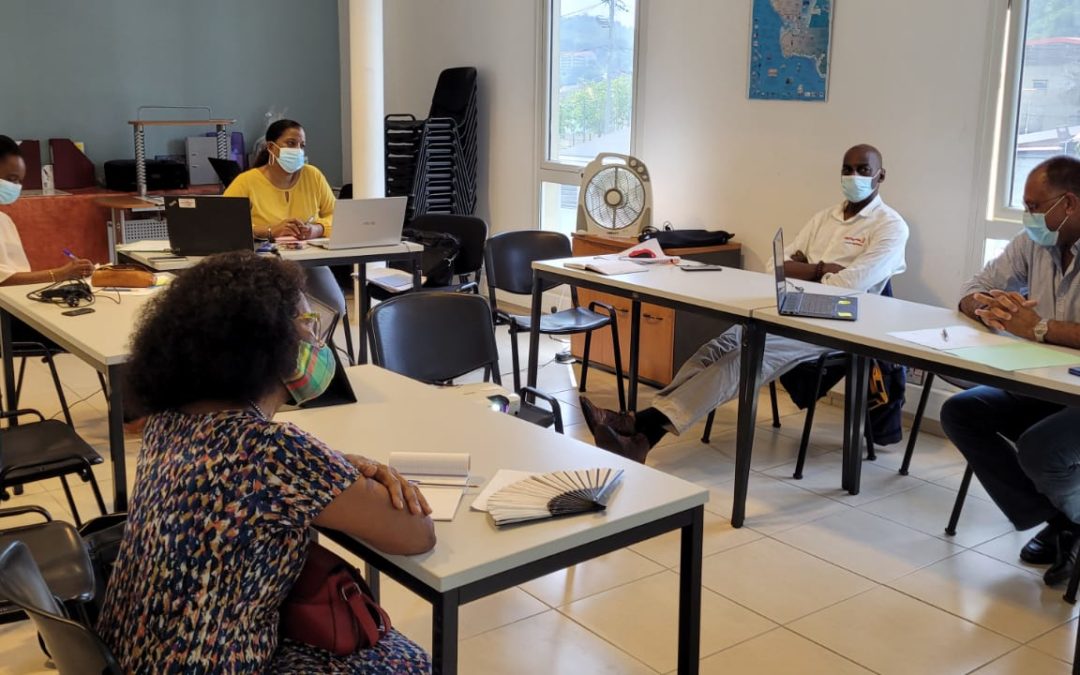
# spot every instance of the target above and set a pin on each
(76, 269)
(1008, 311)
(799, 256)
(832, 268)
(402, 492)
(290, 227)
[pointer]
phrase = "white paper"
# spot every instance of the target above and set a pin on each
(953, 337)
(501, 479)
(607, 267)
(442, 500)
(651, 246)
(390, 279)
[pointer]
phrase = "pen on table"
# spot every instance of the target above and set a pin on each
(944, 335)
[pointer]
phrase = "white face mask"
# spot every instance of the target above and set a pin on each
(857, 188)
(9, 192)
(290, 160)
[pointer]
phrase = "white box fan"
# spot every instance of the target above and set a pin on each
(615, 196)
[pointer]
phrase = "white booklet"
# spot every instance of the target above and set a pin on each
(606, 266)
(441, 476)
(390, 279)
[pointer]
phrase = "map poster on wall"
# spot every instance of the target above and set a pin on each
(789, 49)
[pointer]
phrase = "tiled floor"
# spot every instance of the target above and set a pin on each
(817, 582)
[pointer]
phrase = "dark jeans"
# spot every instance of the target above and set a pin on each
(1037, 474)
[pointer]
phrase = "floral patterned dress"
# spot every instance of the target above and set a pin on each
(216, 537)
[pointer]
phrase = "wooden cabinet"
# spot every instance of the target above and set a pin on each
(668, 337)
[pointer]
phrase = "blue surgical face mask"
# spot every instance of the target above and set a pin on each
(857, 188)
(9, 191)
(1037, 231)
(290, 160)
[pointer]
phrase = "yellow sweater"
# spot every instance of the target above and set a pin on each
(311, 197)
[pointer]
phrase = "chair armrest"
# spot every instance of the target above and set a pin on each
(604, 306)
(13, 511)
(469, 287)
(556, 410)
(501, 317)
(15, 414)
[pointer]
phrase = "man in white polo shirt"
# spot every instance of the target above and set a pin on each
(858, 244)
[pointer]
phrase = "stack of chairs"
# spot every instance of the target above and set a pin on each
(433, 161)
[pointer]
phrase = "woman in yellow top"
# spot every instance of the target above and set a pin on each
(291, 198)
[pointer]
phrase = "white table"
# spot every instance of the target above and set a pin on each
(473, 559)
(157, 256)
(100, 339)
(869, 338)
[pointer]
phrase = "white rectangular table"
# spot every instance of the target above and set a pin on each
(156, 256)
(473, 558)
(868, 337)
(100, 339)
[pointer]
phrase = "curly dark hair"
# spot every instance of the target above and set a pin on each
(223, 330)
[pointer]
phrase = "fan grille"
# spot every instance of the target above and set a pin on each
(615, 197)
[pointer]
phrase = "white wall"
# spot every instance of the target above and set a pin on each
(909, 77)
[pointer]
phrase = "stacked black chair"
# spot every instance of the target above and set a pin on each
(433, 161)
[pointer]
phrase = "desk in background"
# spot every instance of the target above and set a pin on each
(473, 559)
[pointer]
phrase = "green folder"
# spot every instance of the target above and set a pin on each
(1020, 356)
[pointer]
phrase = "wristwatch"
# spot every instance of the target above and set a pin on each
(1040, 331)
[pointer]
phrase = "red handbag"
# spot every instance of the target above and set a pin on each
(330, 607)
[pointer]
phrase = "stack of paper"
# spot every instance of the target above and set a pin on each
(999, 351)
(390, 279)
(441, 477)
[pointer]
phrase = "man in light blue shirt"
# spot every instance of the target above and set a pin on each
(1026, 452)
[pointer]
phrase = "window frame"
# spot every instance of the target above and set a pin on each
(562, 173)
(1004, 217)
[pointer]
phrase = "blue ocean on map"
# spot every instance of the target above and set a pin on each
(789, 50)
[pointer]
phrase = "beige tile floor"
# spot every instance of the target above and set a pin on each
(817, 581)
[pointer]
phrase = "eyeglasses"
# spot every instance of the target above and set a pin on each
(1033, 207)
(313, 322)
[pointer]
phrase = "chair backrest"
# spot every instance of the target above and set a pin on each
(74, 648)
(434, 336)
(509, 257)
(470, 231)
(454, 91)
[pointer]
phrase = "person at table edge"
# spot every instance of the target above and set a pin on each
(1024, 451)
(858, 244)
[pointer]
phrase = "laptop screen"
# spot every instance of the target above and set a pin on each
(778, 264)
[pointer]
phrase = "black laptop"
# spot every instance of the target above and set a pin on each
(811, 305)
(226, 169)
(206, 225)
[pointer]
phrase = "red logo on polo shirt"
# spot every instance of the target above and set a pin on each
(855, 241)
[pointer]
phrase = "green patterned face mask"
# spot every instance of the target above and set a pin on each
(315, 366)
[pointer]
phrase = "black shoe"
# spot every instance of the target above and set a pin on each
(1068, 545)
(635, 447)
(1042, 548)
(596, 417)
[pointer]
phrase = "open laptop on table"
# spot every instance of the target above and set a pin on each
(207, 225)
(359, 223)
(811, 305)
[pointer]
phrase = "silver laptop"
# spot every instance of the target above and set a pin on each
(812, 305)
(359, 223)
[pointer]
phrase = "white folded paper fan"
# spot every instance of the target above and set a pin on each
(553, 494)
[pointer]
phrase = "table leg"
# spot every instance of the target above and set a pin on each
(857, 413)
(116, 438)
(534, 331)
(417, 270)
(690, 594)
(444, 634)
(635, 348)
(849, 401)
(753, 350)
(363, 302)
(9, 362)
(371, 576)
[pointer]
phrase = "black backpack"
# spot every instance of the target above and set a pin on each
(440, 251)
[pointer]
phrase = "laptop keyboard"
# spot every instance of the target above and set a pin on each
(810, 303)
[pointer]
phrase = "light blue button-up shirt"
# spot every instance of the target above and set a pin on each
(1037, 272)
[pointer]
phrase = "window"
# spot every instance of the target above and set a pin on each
(588, 89)
(1043, 73)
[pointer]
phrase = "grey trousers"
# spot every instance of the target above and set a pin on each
(711, 376)
(322, 286)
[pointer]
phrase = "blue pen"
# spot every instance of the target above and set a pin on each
(69, 254)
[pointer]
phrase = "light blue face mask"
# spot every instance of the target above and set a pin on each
(857, 188)
(9, 191)
(1037, 231)
(290, 160)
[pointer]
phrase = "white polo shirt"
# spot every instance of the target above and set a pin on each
(12, 256)
(870, 246)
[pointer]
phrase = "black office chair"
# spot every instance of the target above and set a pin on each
(508, 263)
(42, 450)
(73, 647)
(439, 336)
(471, 233)
(61, 556)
